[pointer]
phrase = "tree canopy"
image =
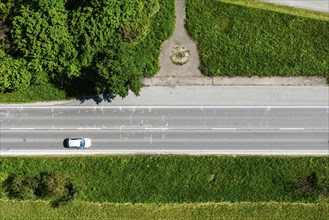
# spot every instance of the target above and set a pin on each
(101, 44)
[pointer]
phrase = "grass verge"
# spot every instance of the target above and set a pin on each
(183, 179)
(246, 38)
(83, 210)
(35, 93)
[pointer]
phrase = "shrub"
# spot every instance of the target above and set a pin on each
(42, 185)
(307, 186)
(21, 186)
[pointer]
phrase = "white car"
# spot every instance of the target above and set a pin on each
(78, 143)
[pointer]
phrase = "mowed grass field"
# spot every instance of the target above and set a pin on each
(83, 210)
(248, 38)
(182, 179)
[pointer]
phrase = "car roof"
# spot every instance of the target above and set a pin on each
(75, 142)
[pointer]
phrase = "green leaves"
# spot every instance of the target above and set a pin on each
(13, 73)
(95, 46)
(41, 36)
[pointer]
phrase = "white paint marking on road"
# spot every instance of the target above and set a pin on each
(21, 128)
(223, 128)
(9, 152)
(166, 127)
(173, 107)
(298, 129)
(161, 128)
(94, 128)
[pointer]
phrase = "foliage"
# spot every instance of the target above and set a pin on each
(13, 73)
(31, 210)
(41, 185)
(40, 35)
(235, 40)
(167, 179)
(308, 186)
(117, 72)
(66, 43)
(20, 186)
(34, 93)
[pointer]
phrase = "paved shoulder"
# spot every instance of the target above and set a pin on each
(224, 95)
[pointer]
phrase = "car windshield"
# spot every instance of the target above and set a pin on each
(82, 143)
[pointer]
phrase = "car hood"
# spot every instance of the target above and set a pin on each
(87, 142)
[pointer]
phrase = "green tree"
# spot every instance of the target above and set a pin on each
(40, 35)
(13, 73)
(115, 73)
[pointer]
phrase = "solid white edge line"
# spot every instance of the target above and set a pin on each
(170, 129)
(187, 152)
(169, 107)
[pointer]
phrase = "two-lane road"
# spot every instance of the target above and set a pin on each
(168, 129)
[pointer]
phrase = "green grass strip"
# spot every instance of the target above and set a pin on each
(181, 179)
(280, 8)
(83, 210)
(249, 39)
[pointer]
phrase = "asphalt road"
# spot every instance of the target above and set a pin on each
(168, 129)
(315, 5)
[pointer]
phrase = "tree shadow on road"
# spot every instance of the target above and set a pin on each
(97, 98)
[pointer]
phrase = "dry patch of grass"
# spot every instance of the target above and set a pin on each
(83, 210)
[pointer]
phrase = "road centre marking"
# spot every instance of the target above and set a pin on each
(224, 128)
(21, 129)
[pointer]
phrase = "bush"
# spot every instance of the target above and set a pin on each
(51, 185)
(21, 186)
(42, 185)
(307, 186)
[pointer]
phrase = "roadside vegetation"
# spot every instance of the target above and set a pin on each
(86, 210)
(169, 187)
(80, 47)
(247, 38)
(173, 179)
